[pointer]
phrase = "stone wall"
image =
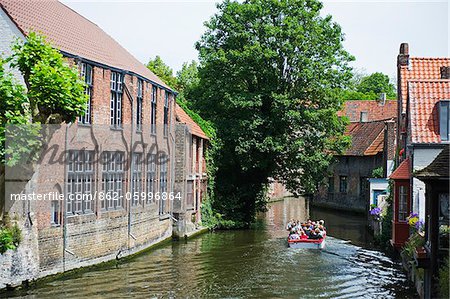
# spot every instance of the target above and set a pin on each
(357, 169)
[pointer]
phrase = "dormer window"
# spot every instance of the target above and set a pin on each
(444, 120)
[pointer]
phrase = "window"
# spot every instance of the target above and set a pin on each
(86, 74)
(140, 96)
(80, 182)
(151, 176)
(444, 120)
(55, 214)
(166, 113)
(112, 180)
(343, 183)
(402, 203)
(136, 180)
(331, 184)
(163, 182)
(116, 99)
(153, 112)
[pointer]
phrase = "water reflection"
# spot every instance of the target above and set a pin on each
(244, 264)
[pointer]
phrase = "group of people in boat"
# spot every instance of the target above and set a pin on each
(312, 230)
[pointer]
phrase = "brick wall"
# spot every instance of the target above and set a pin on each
(85, 239)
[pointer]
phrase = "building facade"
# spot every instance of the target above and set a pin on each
(373, 142)
(190, 173)
(117, 172)
(423, 122)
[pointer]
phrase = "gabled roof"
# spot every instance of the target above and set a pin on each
(424, 97)
(182, 117)
(439, 168)
(367, 138)
(420, 68)
(73, 34)
(375, 110)
(402, 172)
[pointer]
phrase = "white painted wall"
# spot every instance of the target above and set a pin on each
(380, 184)
(389, 167)
(422, 157)
(8, 34)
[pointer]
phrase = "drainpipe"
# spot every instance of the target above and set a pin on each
(66, 179)
(130, 98)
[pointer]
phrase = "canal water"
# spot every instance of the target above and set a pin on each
(253, 263)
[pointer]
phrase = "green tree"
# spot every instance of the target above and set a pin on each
(267, 79)
(54, 94)
(163, 71)
(368, 87)
(187, 77)
(377, 83)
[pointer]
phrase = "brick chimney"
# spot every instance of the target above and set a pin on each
(445, 72)
(403, 56)
(382, 99)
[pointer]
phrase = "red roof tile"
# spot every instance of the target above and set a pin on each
(73, 34)
(402, 172)
(375, 110)
(424, 97)
(367, 138)
(418, 69)
(182, 117)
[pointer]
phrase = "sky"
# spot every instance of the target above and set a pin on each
(373, 29)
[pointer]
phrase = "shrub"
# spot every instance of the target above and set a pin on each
(377, 172)
(444, 279)
(414, 241)
(10, 238)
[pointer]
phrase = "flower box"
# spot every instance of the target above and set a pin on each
(421, 257)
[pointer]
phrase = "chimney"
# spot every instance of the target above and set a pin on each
(403, 56)
(363, 116)
(445, 72)
(382, 99)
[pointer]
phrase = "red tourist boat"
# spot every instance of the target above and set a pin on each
(308, 243)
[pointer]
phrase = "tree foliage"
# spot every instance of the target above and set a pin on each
(370, 87)
(54, 94)
(187, 78)
(163, 71)
(268, 71)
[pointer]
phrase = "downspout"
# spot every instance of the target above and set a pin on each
(66, 179)
(130, 98)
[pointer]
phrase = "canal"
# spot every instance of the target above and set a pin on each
(253, 263)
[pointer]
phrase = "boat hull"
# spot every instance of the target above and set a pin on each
(307, 244)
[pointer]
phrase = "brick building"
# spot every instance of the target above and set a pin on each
(123, 148)
(190, 173)
(423, 122)
(372, 132)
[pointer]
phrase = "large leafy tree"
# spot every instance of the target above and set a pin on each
(187, 77)
(369, 87)
(163, 71)
(268, 75)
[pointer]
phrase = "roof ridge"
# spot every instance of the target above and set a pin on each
(373, 121)
(430, 58)
(428, 80)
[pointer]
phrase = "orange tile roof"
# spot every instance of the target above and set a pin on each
(424, 97)
(420, 68)
(74, 34)
(375, 111)
(376, 146)
(367, 138)
(182, 117)
(402, 172)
